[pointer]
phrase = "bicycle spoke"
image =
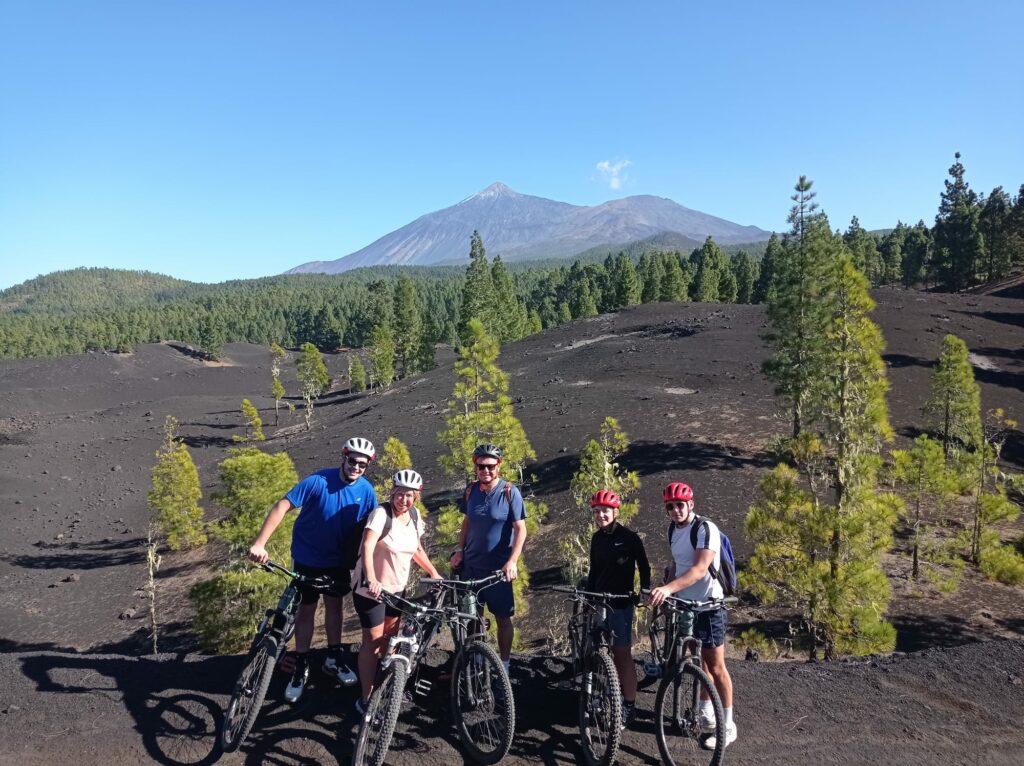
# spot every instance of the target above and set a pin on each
(677, 711)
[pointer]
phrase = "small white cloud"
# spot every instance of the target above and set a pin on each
(613, 172)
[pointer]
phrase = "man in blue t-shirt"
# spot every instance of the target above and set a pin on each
(332, 502)
(492, 537)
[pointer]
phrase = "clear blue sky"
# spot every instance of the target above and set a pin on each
(221, 140)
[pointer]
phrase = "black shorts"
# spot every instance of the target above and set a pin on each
(310, 595)
(372, 613)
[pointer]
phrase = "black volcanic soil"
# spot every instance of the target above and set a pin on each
(77, 439)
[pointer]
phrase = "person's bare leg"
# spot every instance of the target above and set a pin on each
(332, 619)
(370, 652)
(506, 632)
(304, 627)
(622, 656)
(714, 664)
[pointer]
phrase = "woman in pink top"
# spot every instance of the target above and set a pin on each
(385, 559)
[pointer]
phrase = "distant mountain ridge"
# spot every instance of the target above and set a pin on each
(521, 227)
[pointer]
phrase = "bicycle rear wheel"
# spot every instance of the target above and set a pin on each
(381, 716)
(677, 717)
(247, 697)
(482, 703)
(600, 709)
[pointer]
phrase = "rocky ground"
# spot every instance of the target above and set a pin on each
(77, 442)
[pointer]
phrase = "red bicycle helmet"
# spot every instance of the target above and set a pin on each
(677, 492)
(604, 497)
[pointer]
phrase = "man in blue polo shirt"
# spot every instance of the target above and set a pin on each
(492, 537)
(331, 502)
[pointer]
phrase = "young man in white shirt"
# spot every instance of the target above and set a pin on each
(691, 579)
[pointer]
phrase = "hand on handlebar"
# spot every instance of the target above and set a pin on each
(510, 570)
(456, 560)
(259, 554)
(658, 595)
(375, 588)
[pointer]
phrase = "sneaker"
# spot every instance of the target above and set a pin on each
(628, 713)
(333, 666)
(730, 736)
(360, 706)
(707, 723)
(293, 692)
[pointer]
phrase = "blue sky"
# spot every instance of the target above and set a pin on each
(223, 140)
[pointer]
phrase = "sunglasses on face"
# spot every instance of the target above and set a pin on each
(487, 466)
(675, 506)
(360, 464)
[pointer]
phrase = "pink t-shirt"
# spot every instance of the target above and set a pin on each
(392, 555)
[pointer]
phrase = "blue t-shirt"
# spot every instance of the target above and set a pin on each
(330, 508)
(489, 534)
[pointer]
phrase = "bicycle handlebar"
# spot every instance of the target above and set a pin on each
(592, 595)
(483, 582)
(323, 582)
(693, 605)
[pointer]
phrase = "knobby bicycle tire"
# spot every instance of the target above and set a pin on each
(677, 718)
(600, 709)
(482, 703)
(378, 725)
(247, 697)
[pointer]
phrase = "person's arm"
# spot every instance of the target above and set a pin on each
(591, 576)
(370, 538)
(642, 564)
(703, 560)
(258, 550)
(456, 560)
(511, 568)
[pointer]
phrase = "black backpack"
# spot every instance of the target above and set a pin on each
(352, 545)
(727, 575)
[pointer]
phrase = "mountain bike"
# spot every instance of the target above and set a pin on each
(268, 646)
(676, 658)
(481, 694)
(600, 703)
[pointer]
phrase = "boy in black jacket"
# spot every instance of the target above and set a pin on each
(616, 553)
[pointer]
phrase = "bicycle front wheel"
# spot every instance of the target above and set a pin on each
(247, 697)
(677, 715)
(600, 709)
(482, 703)
(381, 716)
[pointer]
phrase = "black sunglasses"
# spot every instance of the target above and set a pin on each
(487, 466)
(357, 463)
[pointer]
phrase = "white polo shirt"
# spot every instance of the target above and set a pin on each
(684, 556)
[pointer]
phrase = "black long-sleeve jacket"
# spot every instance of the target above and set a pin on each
(614, 557)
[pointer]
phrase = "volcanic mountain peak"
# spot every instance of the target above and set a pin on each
(497, 189)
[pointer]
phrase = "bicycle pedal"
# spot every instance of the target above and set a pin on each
(652, 670)
(422, 687)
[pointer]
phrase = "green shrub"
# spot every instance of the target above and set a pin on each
(1004, 564)
(230, 606)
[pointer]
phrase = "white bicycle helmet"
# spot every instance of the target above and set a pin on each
(360, 446)
(407, 479)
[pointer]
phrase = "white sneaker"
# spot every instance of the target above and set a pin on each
(293, 692)
(707, 723)
(730, 737)
(342, 672)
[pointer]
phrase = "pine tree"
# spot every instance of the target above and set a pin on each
(228, 605)
(382, 356)
(650, 273)
(211, 336)
(954, 404)
(994, 223)
(916, 247)
(175, 495)
(711, 264)
(508, 313)
(357, 375)
(481, 411)
(772, 255)
(818, 549)
(728, 289)
(799, 305)
(599, 469)
(745, 274)
(673, 283)
(958, 239)
(277, 355)
(891, 252)
(478, 300)
(408, 335)
(929, 485)
(253, 424)
(864, 249)
(312, 375)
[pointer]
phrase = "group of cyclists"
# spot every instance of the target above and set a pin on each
(367, 547)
